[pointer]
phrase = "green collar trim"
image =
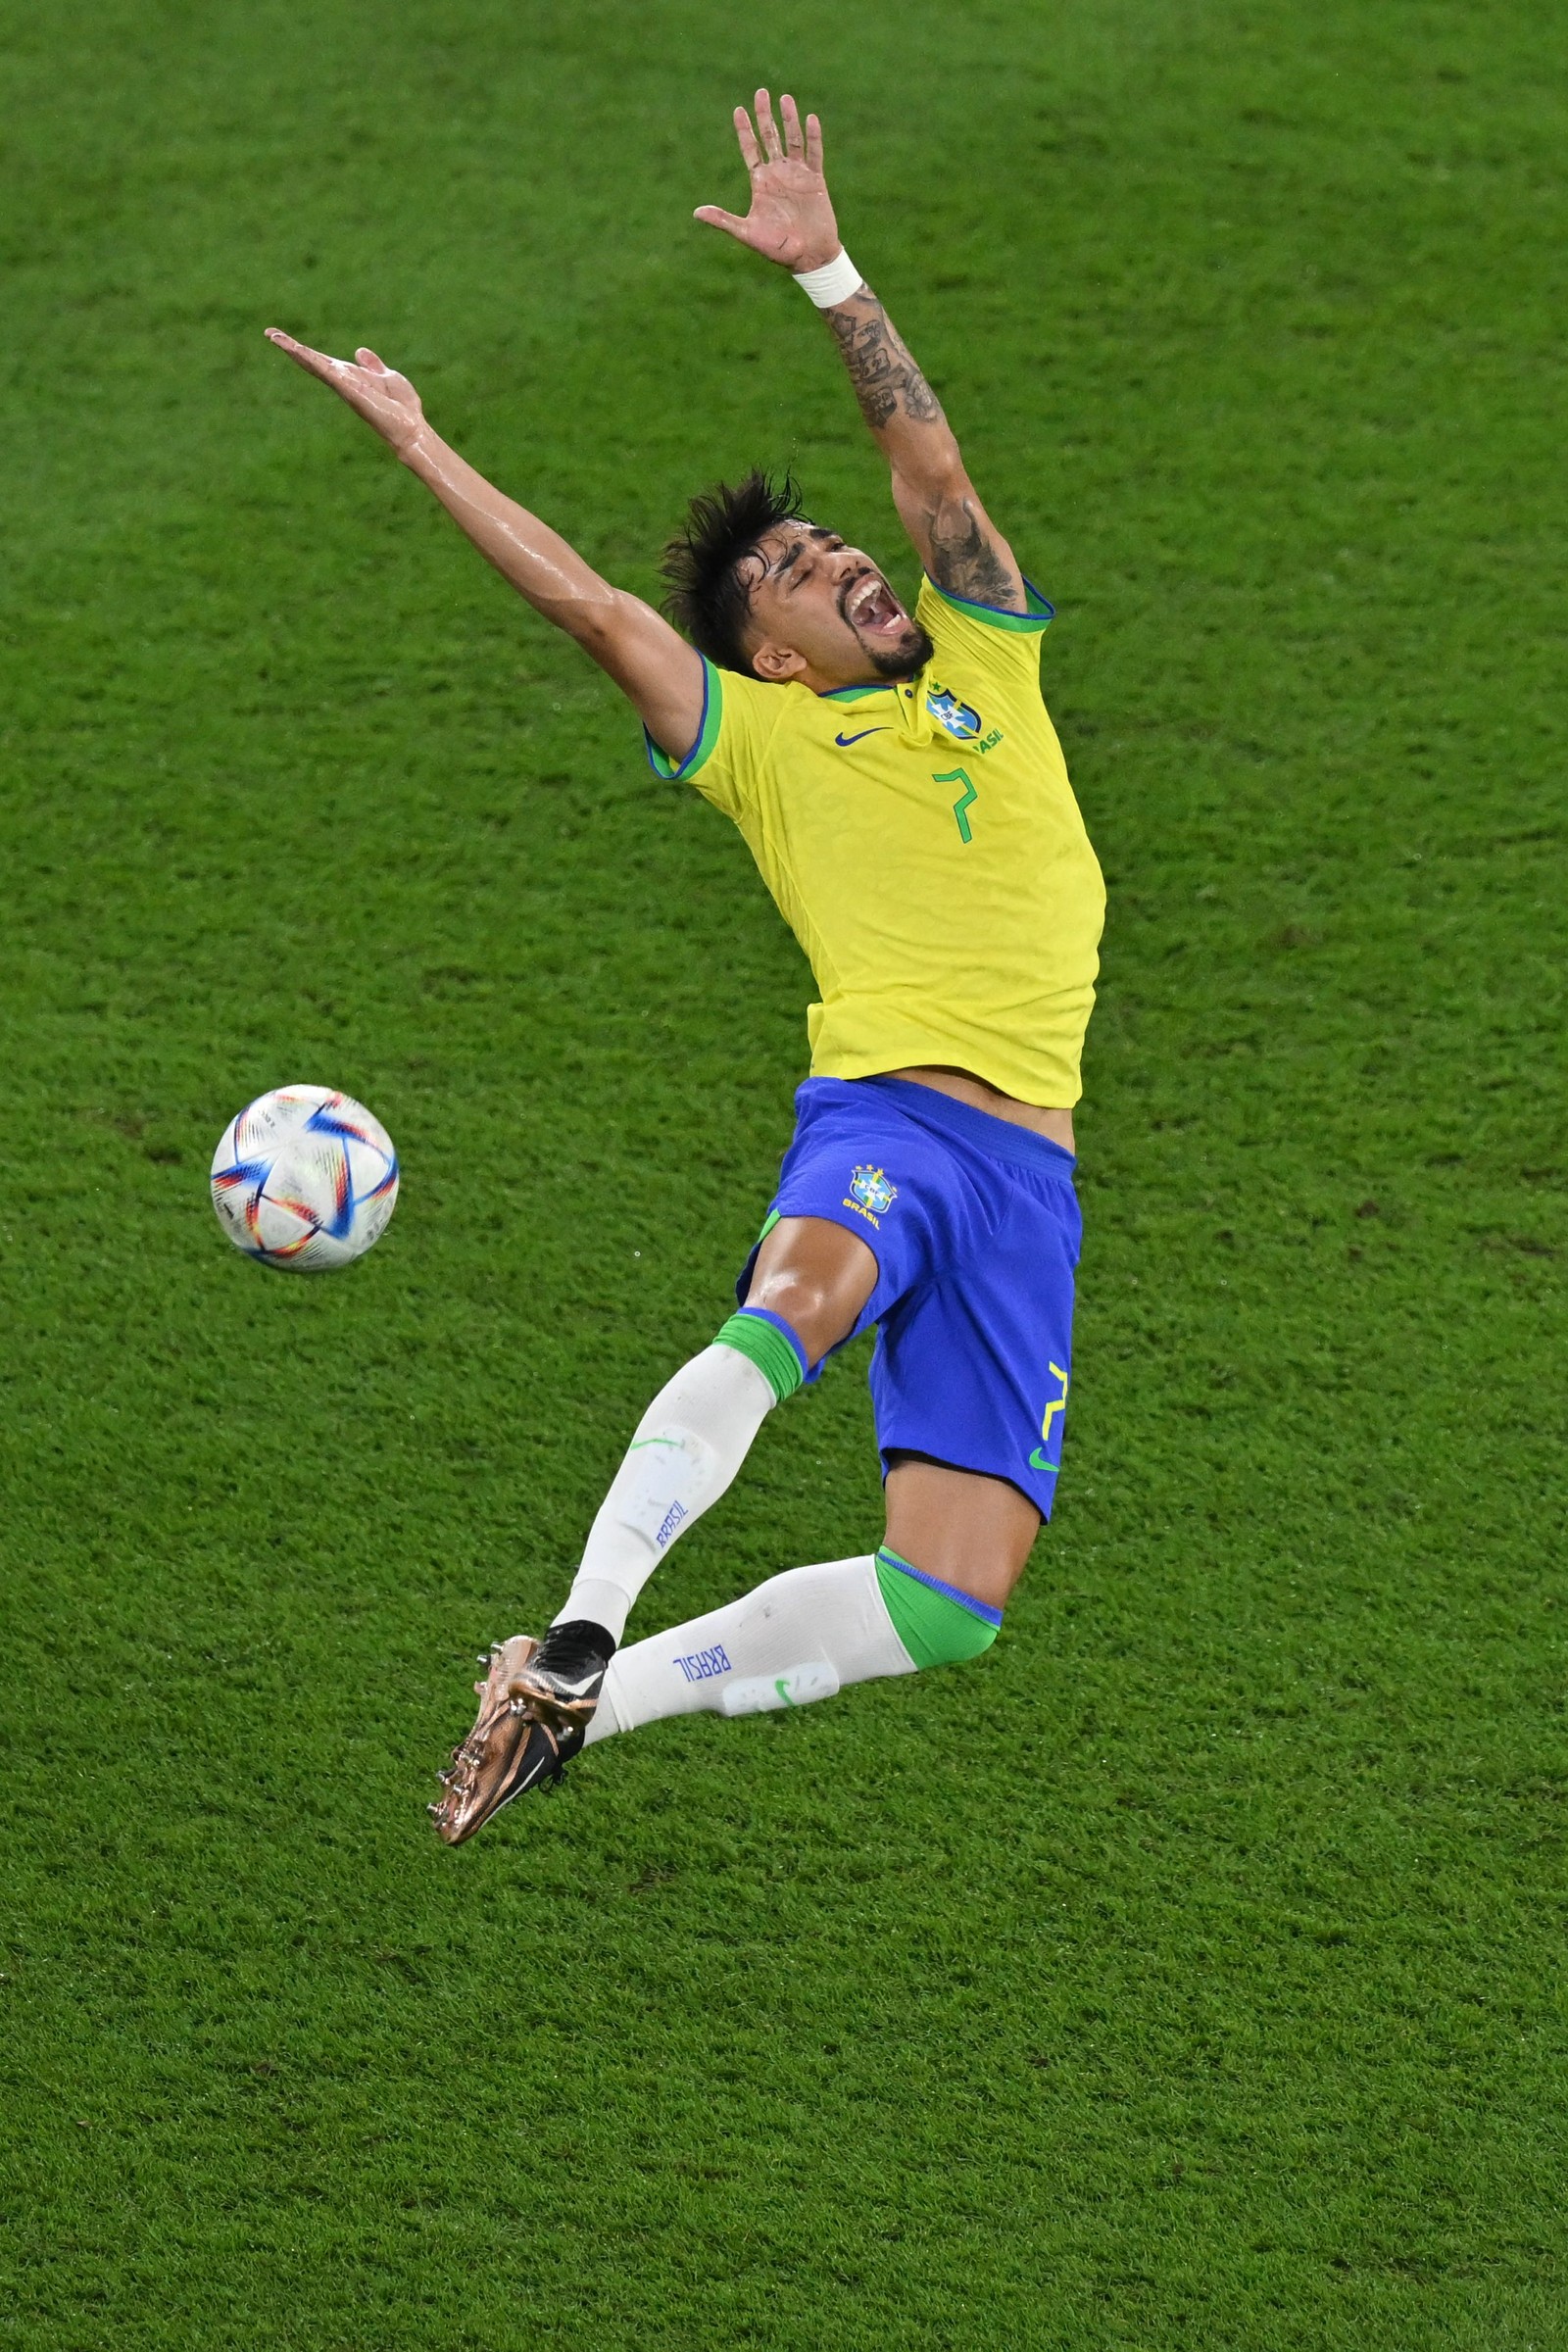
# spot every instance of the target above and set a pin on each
(1040, 614)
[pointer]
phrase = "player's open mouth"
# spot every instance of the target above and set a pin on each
(872, 607)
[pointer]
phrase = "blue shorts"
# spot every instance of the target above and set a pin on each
(975, 1227)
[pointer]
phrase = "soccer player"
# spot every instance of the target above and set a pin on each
(900, 786)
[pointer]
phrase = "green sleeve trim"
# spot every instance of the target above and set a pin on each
(937, 1626)
(677, 771)
(1038, 616)
(751, 1335)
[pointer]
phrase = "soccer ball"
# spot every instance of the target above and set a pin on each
(305, 1178)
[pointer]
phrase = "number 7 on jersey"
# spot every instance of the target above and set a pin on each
(960, 775)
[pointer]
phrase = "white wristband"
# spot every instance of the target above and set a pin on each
(833, 284)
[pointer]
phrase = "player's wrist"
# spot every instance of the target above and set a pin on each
(831, 283)
(415, 449)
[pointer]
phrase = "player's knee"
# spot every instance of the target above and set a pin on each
(937, 1624)
(816, 1276)
(773, 1345)
(810, 1307)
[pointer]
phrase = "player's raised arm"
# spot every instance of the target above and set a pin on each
(791, 221)
(654, 668)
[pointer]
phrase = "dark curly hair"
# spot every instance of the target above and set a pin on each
(707, 594)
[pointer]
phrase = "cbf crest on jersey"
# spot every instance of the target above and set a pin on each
(870, 1187)
(958, 717)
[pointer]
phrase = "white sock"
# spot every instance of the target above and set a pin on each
(802, 1636)
(687, 1448)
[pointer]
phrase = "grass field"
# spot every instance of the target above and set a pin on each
(1189, 1972)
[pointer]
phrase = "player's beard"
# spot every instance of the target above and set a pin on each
(908, 661)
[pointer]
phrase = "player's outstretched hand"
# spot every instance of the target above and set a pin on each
(790, 220)
(374, 390)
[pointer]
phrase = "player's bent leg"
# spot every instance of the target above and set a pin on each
(684, 1455)
(799, 1637)
(967, 1529)
(809, 1282)
(932, 1595)
(803, 1635)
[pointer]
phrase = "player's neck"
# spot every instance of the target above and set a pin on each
(834, 681)
(821, 682)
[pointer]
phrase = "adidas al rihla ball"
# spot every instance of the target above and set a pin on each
(304, 1179)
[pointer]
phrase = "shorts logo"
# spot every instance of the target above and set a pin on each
(704, 1664)
(871, 1188)
(1057, 1404)
(958, 717)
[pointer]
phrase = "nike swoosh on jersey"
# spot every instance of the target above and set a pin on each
(843, 741)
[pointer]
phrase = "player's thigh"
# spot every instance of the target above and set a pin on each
(817, 1275)
(962, 1526)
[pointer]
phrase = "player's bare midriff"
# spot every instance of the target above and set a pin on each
(965, 1087)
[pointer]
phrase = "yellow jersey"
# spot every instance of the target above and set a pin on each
(922, 842)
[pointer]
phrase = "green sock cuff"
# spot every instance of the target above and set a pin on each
(938, 1625)
(762, 1339)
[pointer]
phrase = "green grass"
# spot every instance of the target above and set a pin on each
(1189, 1972)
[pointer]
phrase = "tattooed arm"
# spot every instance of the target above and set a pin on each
(953, 534)
(790, 220)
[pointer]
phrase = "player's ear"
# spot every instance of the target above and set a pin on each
(777, 664)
